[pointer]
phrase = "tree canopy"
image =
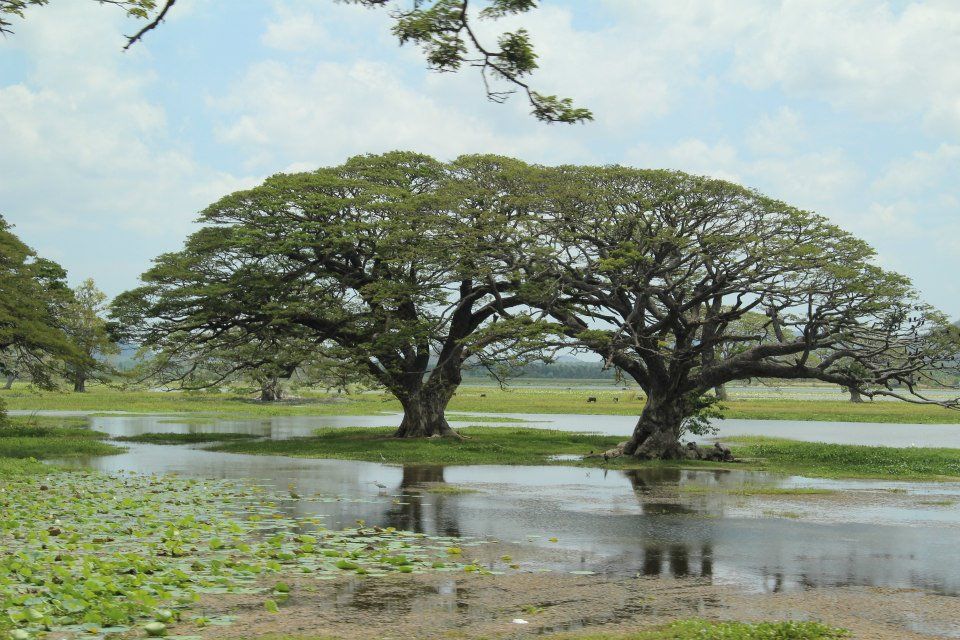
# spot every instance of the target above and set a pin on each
(84, 324)
(664, 275)
(34, 298)
(405, 265)
(444, 29)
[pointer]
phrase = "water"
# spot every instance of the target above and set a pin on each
(668, 522)
(279, 427)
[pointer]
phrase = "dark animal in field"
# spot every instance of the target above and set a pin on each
(483, 395)
(616, 399)
(724, 451)
(592, 399)
(717, 453)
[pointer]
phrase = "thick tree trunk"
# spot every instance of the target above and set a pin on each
(79, 384)
(721, 392)
(423, 414)
(10, 378)
(855, 395)
(657, 434)
(270, 390)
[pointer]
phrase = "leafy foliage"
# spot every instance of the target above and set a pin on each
(87, 329)
(444, 29)
(34, 299)
(101, 553)
(134, 8)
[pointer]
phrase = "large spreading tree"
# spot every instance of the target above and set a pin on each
(664, 275)
(408, 266)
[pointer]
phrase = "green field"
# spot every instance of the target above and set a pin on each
(472, 398)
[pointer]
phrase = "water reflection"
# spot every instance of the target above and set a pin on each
(411, 512)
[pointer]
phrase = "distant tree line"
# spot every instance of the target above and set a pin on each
(553, 371)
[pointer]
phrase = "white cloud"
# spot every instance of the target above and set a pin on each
(859, 55)
(87, 153)
(295, 30)
(286, 114)
(777, 133)
(922, 170)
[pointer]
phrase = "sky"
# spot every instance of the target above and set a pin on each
(850, 109)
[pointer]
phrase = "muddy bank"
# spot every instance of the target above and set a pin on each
(464, 606)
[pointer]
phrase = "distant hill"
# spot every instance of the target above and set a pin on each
(126, 359)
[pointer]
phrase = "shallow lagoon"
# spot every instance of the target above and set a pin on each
(664, 521)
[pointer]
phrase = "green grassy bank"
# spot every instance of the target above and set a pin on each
(694, 629)
(26, 441)
(522, 446)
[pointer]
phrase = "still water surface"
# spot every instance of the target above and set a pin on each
(280, 427)
(652, 522)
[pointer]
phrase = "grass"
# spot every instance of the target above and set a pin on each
(24, 439)
(449, 489)
(792, 515)
(476, 399)
(693, 629)
(525, 446)
(483, 445)
(848, 461)
(185, 438)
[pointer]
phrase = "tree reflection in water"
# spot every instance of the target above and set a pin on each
(668, 558)
(410, 513)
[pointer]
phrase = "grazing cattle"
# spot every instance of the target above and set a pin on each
(592, 399)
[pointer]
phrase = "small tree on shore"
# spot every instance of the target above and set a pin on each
(656, 270)
(84, 323)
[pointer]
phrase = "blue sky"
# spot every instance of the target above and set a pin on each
(851, 109)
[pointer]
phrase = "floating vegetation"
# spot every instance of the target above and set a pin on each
(793, 515)
(94, 554)
(448, 489)
(937, 503)
(756, 490)
(185, 438)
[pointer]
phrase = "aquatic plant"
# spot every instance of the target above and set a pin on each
(94, 554)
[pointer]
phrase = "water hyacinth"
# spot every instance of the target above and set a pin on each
(95, 554)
